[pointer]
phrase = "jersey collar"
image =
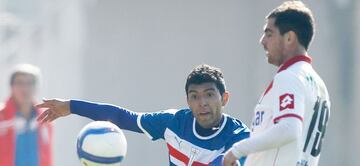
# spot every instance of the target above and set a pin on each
(212, 135)
(293, 60)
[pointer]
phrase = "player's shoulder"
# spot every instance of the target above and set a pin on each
(162, 114)
(183, 113)
(296, 70)
(170, 111)
(235, 125)
(289, 77)
(235, 131)
(177, 113)
(234, 121)
(286, 74)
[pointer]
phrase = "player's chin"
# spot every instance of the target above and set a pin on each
(271, 61)
(204, 119)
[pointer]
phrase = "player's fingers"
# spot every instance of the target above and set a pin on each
(41, 121)
(51, 117)
(228, 162)
(224, 162)
(47, 118)
(45, 104)
(42, 115)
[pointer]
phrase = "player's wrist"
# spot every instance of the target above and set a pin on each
(67, 107)
(236, 151)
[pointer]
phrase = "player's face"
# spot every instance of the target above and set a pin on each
(273, 43)
(23, 88)
(206, 103)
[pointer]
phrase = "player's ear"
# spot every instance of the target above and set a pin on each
(225, 98)
(290, 37)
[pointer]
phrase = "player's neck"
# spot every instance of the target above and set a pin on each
(293, 54)
(208, 131)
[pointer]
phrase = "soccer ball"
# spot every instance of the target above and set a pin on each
(101, 143)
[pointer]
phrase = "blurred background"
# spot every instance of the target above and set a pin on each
(137, 54)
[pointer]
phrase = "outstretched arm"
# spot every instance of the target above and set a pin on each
(121, 117)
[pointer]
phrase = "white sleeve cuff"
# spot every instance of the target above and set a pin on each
(286, 131)
(236, 151)
(138, 120)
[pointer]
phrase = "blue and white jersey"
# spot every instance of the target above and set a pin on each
(186, 146)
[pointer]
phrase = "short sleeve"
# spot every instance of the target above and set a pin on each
(289, 96)
(154, 124)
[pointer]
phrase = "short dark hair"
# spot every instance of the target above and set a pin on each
(206, 74)
(295, 16)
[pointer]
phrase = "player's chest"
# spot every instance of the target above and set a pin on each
(263, 113)
(185, 152)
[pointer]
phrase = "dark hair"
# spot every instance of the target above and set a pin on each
(206, 74)
(294, 16)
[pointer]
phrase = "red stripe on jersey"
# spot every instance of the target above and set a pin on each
(178, 155)
(276, 120)
(182, 157)
(199, 164)
(268, 88)
(288, 63)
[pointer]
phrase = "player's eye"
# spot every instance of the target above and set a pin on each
(268, 34)
(193, 97)
(210, 95)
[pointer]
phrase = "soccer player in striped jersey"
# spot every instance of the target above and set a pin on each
(195, 136)
(292, 114)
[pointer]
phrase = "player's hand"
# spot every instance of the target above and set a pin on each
(54, 109)
(229, 159)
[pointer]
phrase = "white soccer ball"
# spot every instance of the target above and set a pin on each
(101, 143)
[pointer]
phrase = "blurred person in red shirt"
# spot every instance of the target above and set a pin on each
(23, 140)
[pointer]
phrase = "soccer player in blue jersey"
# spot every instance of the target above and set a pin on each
(195, 136)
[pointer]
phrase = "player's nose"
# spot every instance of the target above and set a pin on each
(262, 40)
(203, 102)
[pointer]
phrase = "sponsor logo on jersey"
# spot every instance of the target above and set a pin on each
(179, 141)
(287, 101)
(302, 163)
